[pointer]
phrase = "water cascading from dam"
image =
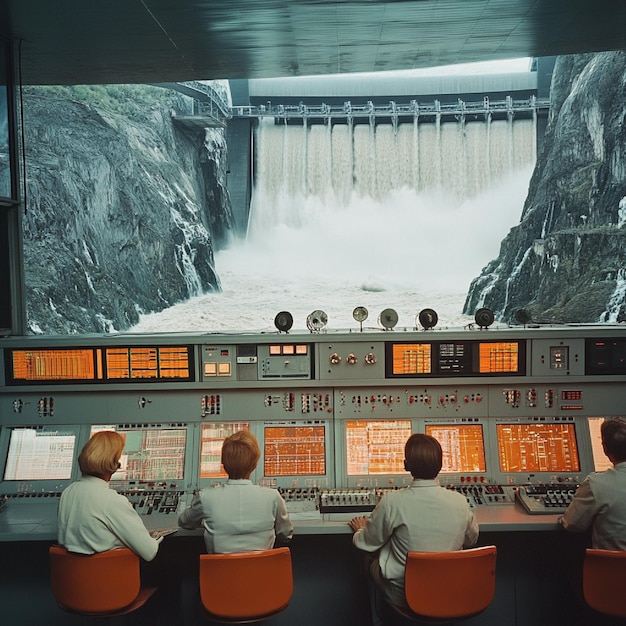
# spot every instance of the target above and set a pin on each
(458, 160)
(343, 218)
(423, 208)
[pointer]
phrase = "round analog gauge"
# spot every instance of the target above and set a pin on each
(360, 314)
(484, 317)
(388, 319)
(283, 321)
(428, 318)
(316, 321)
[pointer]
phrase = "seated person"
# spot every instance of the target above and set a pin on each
(239, 516)
(421, 518)
(94, 518)
(599, 503)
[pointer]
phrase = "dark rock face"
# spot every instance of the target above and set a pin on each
(565, 261)
(123, 208)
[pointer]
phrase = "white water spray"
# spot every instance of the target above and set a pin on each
(348, 217)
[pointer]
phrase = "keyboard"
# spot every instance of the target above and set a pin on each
(546, 499)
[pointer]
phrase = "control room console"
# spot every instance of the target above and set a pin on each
(516, 410)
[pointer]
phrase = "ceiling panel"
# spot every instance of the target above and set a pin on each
(135, 41)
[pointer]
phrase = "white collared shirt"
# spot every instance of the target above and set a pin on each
(600, 504)
(421, 518)
(94, 518)
(238, 516)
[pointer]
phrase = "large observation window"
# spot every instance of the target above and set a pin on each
(5, 153)
(9, 219)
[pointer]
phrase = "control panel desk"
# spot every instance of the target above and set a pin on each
(326, 565)
(504, 518)
(24, 520)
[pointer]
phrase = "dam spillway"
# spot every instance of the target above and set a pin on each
(459, 159)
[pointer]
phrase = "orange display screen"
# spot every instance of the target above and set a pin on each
(463, 446)
(97, 364)
(211, 439)
(147, 362)
(376, 447)
(411, 358)
(298, 450)
(54, 364)
(498, 357)
(537, 448)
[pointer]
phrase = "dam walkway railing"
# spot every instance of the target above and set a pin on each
(212, 103)
(437, 110)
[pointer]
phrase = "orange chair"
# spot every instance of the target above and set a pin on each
(430, 576)
(104, 584)
(604, 573)
(245, 587)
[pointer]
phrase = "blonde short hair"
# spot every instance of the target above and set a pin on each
(101, 454)
(240, 454)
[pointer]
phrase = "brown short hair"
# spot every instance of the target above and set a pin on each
(423, 456)
(101, 454)
(613, 433)
(240, 454)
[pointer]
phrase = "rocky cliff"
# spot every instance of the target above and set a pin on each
(566, 260)
(123, 208)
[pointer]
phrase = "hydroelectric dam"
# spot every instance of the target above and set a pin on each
(370, 134)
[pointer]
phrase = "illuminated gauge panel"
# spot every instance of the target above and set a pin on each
(294, 449)
(285, 361)
(218, 361)
(111, 364)
(376, 447)
(455, 358)
(463, 445)
(537, 447)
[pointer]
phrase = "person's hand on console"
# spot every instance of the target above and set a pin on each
(159, 533)
(356, 523)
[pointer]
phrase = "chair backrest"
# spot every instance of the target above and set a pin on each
(98, 583)
(246, 585)
(604, 573)
(430, 577)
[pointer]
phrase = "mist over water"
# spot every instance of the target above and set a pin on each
(372, 220)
